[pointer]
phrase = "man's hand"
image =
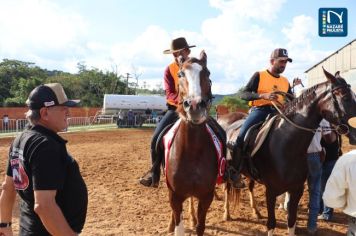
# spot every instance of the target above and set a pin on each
(269, 96)
(297, 81)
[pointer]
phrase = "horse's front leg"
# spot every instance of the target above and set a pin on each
(176, 203)
(253, 204)
(293, 208)
(193, 217)
(203, 206)
(271, 203)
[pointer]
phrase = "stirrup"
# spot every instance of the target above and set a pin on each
(147, 180)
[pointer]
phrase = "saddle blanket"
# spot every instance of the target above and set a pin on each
(168, 140)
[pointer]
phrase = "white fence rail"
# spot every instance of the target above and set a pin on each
(17, 125)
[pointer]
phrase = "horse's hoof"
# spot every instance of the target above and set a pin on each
(170, 229)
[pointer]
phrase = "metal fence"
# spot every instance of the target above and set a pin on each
(17, 125)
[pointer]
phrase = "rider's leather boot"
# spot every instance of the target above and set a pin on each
(235, 167)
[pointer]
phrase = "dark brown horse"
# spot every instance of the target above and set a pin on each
(281, 160)
(192, 166)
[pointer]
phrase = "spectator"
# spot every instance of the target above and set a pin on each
(340, 191)
(120, 118)
(314, 163)
(332, 153)
(5, 121)
(130, 118)
(53, 195)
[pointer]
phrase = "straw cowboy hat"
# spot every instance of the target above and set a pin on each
(352, 122)
(177, 45)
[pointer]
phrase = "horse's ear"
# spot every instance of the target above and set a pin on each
(329, 76)
(203, 57)
(337, 74)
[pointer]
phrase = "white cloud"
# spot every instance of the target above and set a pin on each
(39, 27)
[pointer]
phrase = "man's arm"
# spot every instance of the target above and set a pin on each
(249, 92)
(169, 86)
(7, 200)
(50, 213)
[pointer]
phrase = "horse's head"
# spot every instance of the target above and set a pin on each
(339, 106)
(194, 90)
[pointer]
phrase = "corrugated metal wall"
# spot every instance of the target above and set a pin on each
(343, 61)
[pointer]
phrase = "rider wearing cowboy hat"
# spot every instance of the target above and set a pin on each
(180, 50)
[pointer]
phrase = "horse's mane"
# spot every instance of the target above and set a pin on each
(306, 98)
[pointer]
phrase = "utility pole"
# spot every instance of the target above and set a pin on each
(127, 83)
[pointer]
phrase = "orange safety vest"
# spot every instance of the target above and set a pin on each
(269, 84)
(174, 69)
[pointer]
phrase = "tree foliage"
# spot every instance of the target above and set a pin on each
(18, 78)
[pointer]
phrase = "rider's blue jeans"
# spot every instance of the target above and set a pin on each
(314, 182)
(257, 114)
(327, 168)
(169, 118)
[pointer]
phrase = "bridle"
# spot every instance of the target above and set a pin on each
(185, 102)
(340, 129)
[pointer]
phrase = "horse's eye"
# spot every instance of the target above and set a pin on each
(186, 103)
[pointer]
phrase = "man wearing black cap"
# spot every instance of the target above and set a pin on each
(180, 50)
(259, 91)
(53, 194)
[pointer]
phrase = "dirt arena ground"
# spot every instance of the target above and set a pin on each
(111, 163)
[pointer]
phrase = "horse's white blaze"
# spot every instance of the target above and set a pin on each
(193, 76)
(291, 231)
(179, 230)
(270, 232)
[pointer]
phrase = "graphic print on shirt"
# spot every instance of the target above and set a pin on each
(19, 175)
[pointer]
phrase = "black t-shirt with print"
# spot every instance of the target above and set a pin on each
(38, 160)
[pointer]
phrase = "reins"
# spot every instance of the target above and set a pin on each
(338, 130)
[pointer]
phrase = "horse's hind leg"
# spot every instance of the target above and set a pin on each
(193, 217)
(203, 206)
(253, 204)
(271, 203)
(293, 208)
(226, 203)
(177, 209)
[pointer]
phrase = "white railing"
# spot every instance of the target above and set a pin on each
(17, 125)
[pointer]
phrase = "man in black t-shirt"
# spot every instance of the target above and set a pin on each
(53, 194)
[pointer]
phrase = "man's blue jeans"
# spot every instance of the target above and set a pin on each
(314, 183)
(327, 168)
(257, 114)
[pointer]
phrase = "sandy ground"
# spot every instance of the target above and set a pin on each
(111, 163)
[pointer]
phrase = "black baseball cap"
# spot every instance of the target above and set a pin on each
(48, 95)
(280, 53)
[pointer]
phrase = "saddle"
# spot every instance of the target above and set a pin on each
(254, 138)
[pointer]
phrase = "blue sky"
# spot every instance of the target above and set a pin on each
(130, 35)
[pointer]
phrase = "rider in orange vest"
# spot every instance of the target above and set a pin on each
(259, 91)
(180, 50)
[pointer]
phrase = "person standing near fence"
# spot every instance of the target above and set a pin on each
(52, 192)
(5, 122)
(332, 153)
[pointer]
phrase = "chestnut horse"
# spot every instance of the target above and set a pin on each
(192, 167)
(281, 160)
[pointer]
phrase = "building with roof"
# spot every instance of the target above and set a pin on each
(343, 60)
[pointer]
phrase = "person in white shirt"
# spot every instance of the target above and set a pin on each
(340, 190)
